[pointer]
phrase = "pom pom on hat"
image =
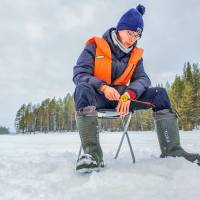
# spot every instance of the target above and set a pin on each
(141, 9)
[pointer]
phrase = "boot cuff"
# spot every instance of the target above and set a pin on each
(164, 114)
(87, 111)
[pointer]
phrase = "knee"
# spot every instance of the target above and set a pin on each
(162, 98)
(161, 92)
(83, 89)
(84, 95)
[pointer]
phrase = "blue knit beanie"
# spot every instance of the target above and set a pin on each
(132, 20)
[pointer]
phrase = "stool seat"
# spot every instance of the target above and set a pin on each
(107, 113)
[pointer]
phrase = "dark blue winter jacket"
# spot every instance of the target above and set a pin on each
(84, 68)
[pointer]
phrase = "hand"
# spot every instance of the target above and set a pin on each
(123, 107)
(124, 104)
(110, 92)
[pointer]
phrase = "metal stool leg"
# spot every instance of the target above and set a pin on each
(125, 127)
(119, 147)
(130, 147)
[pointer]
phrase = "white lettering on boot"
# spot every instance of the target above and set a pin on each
(166, 136)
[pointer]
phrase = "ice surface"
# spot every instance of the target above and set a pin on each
(42, 167)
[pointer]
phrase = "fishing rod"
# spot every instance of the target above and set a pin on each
(125, 98)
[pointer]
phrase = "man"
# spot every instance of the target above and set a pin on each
(109, 73)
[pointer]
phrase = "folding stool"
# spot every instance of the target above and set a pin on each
(112, 114)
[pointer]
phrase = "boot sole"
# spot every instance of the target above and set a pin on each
(88, 170)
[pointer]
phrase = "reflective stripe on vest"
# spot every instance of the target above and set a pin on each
(103, 62)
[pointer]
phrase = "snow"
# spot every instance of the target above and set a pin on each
(42, 167)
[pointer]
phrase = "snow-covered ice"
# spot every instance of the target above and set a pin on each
(42, 167)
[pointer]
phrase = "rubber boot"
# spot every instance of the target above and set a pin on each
(87, 124)
(168, 136)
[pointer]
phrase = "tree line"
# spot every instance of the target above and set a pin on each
(50, 116)
(53, 115)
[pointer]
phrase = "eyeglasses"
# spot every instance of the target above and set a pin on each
(134, 35)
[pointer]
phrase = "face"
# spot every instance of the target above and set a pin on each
(128, 38)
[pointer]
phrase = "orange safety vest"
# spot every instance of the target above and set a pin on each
(103, 62)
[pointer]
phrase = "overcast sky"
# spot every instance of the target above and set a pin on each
(42, 39)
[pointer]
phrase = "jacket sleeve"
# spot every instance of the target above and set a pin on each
(139, 81)
(83, 71)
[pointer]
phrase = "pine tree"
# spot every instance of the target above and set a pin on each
(187, 72)
(196, 91)
(175, 92)
(28, 118)
(60, 115)
(147, 120)
(186, 107)
(45, 115)
(52, 114)
(20, 125)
